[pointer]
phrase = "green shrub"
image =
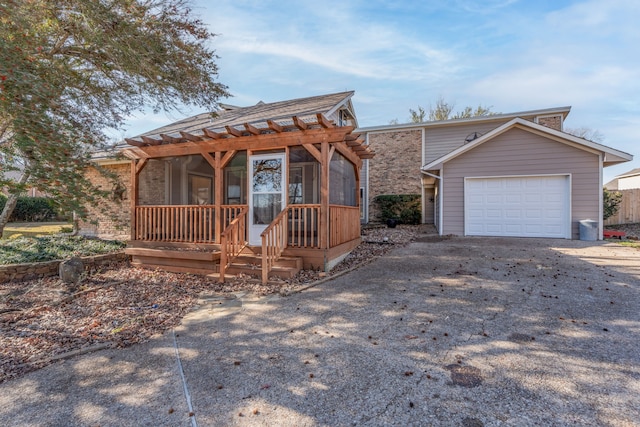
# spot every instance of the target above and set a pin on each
(33, 209)
(610, 203)
(405, 208)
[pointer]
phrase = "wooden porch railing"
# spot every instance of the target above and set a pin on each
(303, 226)
(274, 241)
(344, 224)
(175, 223)
(233, 239)
(230, 212)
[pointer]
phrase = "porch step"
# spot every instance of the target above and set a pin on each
(175, 260)
(284, 268)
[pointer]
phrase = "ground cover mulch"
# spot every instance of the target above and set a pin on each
(118, 306)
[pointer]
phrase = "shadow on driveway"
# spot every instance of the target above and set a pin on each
(462, 331)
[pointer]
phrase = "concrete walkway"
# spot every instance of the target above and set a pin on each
(461, 332)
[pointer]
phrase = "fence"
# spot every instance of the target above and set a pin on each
(628, 210)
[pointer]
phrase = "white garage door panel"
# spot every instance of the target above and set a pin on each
(518, 207)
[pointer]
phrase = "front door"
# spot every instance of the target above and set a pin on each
(266, 192)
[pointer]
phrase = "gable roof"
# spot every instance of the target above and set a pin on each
(632, 172)
(257, 115)
(530, 114)
(611, 155)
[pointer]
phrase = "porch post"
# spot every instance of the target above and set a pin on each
(357, 171)
(324, 195)
(218, 194)
(136, 167)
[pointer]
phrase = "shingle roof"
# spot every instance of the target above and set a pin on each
(632, 172)
(256, 115)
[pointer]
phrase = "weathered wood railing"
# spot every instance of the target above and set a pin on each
(344, 224)
(303, 226)
(176, 223)
(232, 240)
(274, 242)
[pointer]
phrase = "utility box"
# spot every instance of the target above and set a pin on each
(588, 230)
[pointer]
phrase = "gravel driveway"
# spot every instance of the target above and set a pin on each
(461, 332)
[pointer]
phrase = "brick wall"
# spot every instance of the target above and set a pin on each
(111, 219)
(396, 167)
(37, 270)
(553, 122)
(151, 183)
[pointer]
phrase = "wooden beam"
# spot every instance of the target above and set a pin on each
(352, 136)
(313, 151)
(253, 142)
(133, 153)
(209, 158)
(227, 158)
(342, 148)
(323, 229)
(170, 139)
(252, 129)
(299, 123)
(133, 199)
(190, 136)
(233, 131)
(211, 134)
(151, 141)
(139, 165)
(134, 142)
(274, 126)
(217, 193)
(324, 122)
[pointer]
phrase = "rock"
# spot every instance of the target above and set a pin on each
(71, 270)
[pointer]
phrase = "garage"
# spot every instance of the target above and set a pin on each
(520, 206)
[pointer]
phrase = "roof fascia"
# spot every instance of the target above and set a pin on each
(547, 111)
(345, 102)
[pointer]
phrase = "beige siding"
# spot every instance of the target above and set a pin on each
(515, 153)
(445, 139)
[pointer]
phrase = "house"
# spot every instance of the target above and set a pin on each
(512, 174)
(625, 181)
(272, 187)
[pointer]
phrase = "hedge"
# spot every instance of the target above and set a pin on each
(31, 209)
(405, 208)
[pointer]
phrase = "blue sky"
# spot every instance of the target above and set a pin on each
(508, 54)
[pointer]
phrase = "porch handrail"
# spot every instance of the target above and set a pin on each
(274, 242)
(233, 240)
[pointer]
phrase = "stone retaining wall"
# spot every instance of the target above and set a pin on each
(37, 270)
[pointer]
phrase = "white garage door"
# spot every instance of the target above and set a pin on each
(532, 206)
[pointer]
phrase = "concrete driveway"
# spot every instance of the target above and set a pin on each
(460, 332)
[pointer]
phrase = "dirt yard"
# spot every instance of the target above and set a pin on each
(42, 320)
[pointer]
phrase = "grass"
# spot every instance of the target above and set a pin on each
(14, 230)
(23, 249)
(629, 243)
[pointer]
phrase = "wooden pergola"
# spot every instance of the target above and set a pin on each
(338, 226)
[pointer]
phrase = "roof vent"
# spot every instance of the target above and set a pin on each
(472, 136)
